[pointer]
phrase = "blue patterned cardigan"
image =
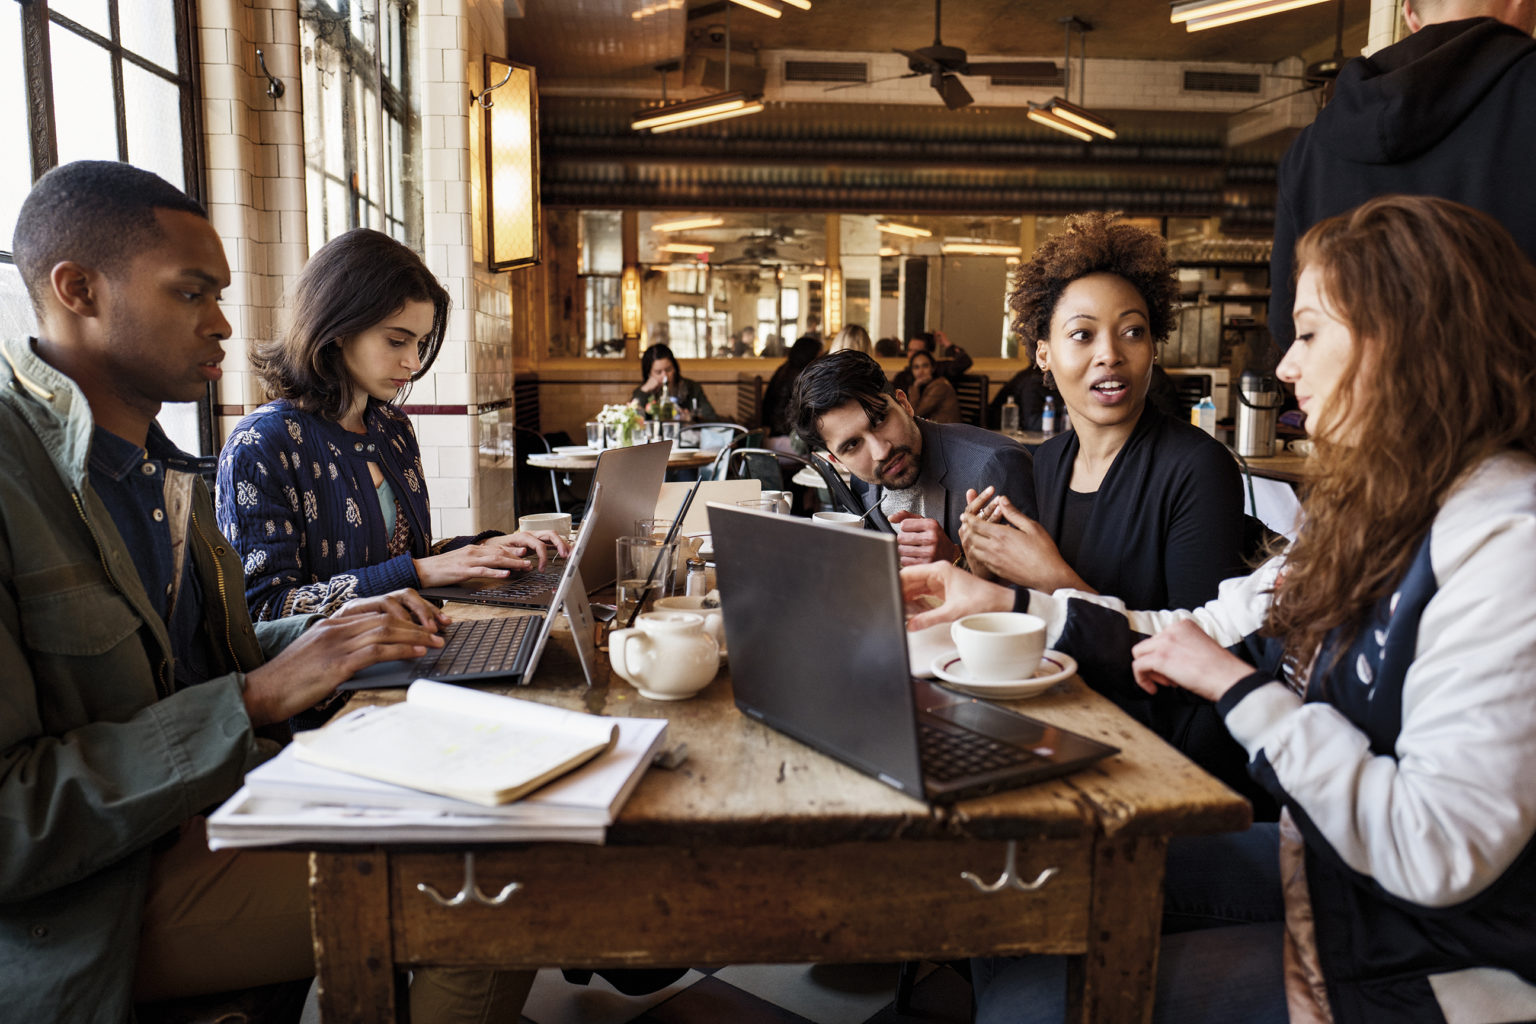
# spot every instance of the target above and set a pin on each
(296, 500)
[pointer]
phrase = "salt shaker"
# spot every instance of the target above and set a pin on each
(696, 583)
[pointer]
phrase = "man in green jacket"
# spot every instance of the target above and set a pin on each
(132, 680)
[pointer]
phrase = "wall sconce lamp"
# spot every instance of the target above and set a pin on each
(511, 121)
(832, 302)
(629, 302)
(1201, 14)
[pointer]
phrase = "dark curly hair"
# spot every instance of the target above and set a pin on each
(1094, 243)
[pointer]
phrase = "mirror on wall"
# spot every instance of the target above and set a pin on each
(745, 284)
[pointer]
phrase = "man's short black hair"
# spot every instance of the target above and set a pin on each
(831, 382)
(98, 213)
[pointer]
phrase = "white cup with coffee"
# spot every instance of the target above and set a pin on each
(999, 645)
(837, 519)
(556, 522)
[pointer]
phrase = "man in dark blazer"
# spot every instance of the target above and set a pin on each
(917, 471)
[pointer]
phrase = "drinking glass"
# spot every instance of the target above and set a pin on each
(761, 504)
(647, 570)
(653, 526)
(594, 434)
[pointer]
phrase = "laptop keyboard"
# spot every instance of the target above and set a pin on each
(479, 646)
(955, 754)
(530, 584)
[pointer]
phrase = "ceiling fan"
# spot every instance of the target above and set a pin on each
(1318, 75)
(944, 64)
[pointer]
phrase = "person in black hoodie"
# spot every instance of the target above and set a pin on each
(1445, 112)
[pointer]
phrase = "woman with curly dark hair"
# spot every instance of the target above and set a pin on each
(1133, 503)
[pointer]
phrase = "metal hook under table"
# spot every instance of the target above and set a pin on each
(470, 892)
(1009, 879)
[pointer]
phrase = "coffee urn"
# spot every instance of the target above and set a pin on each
(1258, 406)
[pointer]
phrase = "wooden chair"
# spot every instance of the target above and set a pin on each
(972, 391)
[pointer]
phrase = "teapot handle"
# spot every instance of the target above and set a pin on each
(618, 646)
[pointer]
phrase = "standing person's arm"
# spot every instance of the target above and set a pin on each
(272, 523)
(950, 360)
(1282, 264)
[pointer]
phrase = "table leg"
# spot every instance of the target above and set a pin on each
(1115, 980)
(354, 955)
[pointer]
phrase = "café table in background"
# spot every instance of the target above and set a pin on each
(758, 849)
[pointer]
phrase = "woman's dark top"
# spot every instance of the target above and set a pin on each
(1164, 529)
(1079, 509)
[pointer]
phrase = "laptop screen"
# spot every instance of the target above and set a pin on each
(631, 480)
(785, 584)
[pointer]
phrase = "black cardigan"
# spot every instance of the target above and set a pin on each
(1166, 529)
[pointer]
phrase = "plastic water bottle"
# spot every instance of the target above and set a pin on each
(1048, 417)
(1204, 415)
(1010, 416)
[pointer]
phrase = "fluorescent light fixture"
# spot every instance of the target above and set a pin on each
(1012, 261)
(689, 224)
(1041, 115)
(1085, 119)
(1201, 14)
(981, 248)
(804, 5)
(812, 275)
(760, 7)
(886, 250)
(692, 112)
(691, 248)
(908, 230)
(751, 107)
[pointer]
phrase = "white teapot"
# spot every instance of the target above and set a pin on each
(668, 656)
(706, 607)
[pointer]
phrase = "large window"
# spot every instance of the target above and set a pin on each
(359, 147)
(97, 80)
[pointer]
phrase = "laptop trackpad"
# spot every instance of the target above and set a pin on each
(1001, 724)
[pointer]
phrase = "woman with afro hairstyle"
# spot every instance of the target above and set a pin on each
(1133, 503)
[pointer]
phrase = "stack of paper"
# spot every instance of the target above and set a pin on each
(291, 799)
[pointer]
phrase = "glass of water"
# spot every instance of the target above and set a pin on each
(647, 570)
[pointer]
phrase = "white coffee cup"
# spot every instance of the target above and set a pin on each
(837, 518)
(556, 522)
(782, 497)
(999, 645)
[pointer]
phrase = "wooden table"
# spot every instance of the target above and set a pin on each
(760, 850)
(1286, 466)
(681, 458)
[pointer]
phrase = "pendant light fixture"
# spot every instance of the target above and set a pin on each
(1200, 14)
(670, 117)
(1073, 118)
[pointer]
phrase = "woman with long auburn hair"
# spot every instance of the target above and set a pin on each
(322, 489)
(1381, 674)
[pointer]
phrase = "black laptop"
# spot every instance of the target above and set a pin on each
(817, 638)
(630, 479)
(505, 648)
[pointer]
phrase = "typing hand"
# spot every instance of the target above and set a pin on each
(920, 540)
(405, 604)
(958, 592)
(1184, 656)
(495, 557)
(326, 655)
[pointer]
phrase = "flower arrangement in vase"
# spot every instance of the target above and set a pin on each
(621, 423)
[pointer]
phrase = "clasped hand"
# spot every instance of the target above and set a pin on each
(920, 540)
(497, 556)
(1001, 541)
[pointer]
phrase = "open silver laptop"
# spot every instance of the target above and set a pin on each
(630, 479)
(784, 584)
(507, 648)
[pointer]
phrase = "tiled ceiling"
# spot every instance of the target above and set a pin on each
(596, 39)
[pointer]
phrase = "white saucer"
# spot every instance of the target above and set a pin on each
(1054, 667)
(926, 646)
